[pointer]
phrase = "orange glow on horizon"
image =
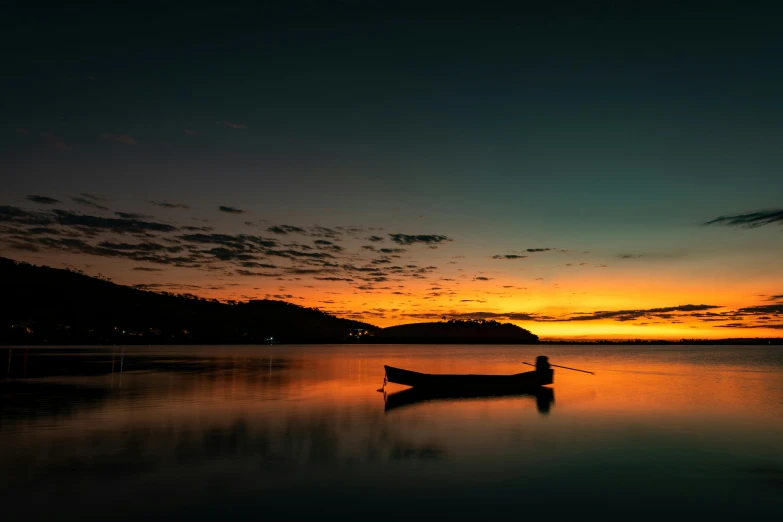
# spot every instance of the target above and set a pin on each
(501, 290)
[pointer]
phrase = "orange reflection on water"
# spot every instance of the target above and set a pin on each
(269, 420)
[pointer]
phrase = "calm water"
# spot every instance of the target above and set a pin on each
(293, 432)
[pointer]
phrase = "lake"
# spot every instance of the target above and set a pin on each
(301, 432)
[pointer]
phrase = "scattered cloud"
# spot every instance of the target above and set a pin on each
(119, 138)
(629, 315)
(751, 220)
(87, 201)
(139, 238)
(744, 325)
(427, 239)
(538, 249)
(630, 256)
(763, 309)
(375, 239)
(43, 200)
(166, 204)
(285, 229)
(94, 197)
(116, 225)
(231, 210)
(131, 215)
(508, 256)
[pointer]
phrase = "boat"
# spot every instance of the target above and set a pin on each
(542, 375)
(545, 397)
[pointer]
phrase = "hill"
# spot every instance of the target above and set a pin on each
(43, 305)
(457, 332)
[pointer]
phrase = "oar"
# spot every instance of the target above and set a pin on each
(565, 367)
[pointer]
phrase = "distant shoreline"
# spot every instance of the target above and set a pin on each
(775, 341)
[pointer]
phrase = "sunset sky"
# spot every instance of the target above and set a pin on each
(580, 172)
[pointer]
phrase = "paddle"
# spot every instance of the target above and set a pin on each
(565, 367)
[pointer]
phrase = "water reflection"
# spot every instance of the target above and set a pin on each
(544, 397)
(298, 432)
(36, 363)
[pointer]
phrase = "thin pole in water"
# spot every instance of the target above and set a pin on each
(565, 367)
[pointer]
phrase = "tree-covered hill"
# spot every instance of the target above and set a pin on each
(457, 332)
(47, 305)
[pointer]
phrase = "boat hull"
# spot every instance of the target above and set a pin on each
(519, 381)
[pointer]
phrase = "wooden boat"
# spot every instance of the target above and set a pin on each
(544, 397)
(517, 382)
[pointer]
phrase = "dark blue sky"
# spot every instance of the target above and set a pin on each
(592, 128)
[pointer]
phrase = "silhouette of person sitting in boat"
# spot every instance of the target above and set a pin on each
(542, 363)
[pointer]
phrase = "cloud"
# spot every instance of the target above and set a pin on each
(119, 138)
(482, 278)
(231, 125)
(231, 210)
(51, 140)
(166, 204)
(253, 264)
(508, 256)
(200, 248)
(88, 203)
(375, 239)
(318, 231)
(17, 216)
(667, 313)
(234, 241)
(141, 247)
(743, 325)
(116, 225)
(147, 269)
(249, 273)
(191, 132)
(285, 229)
(629, 315)
(538, 249)
(144, 252)
(427, 239)
(764, 309)
(752, 220)
(94, 197)
(131, 215)
(43, 200)
(630, 256)
(776, 298)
